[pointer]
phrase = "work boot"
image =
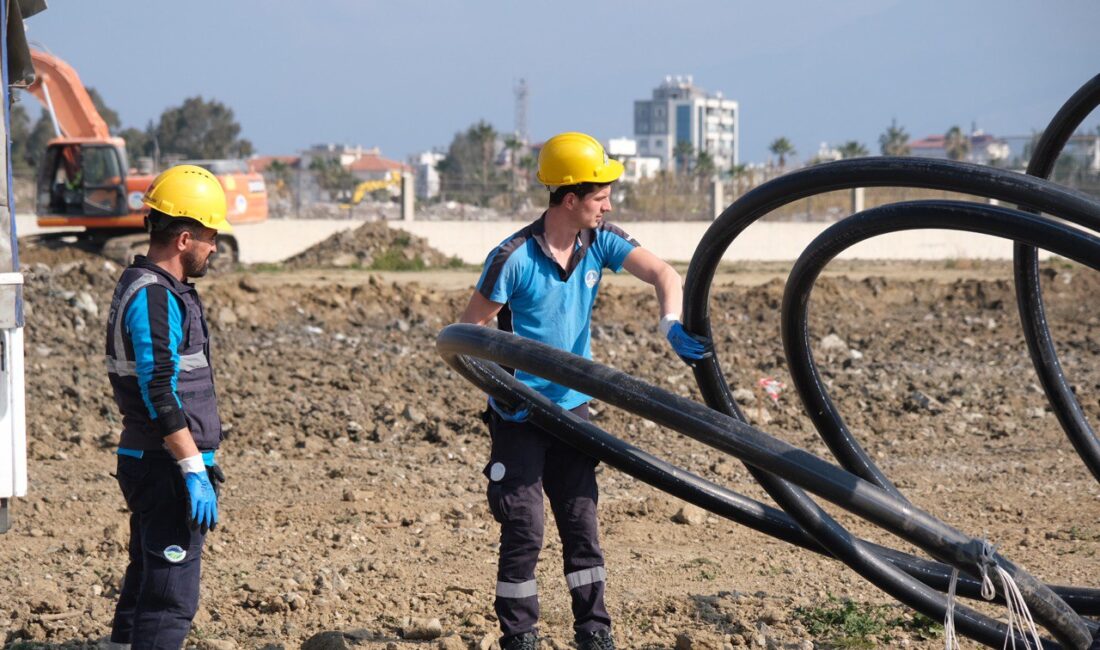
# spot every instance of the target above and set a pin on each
(525, 641)
(598, 640)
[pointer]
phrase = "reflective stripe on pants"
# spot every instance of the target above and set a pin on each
(517, 589)
(586, 577)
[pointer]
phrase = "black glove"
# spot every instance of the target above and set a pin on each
(217, 477)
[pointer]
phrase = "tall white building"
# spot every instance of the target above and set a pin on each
(679, 112)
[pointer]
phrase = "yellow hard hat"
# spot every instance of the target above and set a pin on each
(571, 158)
(189, 191)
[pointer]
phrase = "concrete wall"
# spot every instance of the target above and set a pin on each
(271, 241)
(765, 241)
(277, 239)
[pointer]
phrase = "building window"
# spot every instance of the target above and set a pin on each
(683, 123)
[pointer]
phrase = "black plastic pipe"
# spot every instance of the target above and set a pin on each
(759, 450)
(1029, 294)
(1009, 187)
(1021, 227)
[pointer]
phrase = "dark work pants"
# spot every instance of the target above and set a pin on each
(525, 461)
(160, 591)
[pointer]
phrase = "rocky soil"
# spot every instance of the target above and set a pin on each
(354, 515)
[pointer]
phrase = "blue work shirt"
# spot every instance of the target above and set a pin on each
(546, 302)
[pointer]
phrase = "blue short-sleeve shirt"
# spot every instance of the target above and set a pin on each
(546, 302)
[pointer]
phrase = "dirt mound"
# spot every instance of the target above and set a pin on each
(374, 245)
(355, 499)
(53, 250)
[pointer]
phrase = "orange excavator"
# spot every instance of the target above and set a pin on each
(85, 179)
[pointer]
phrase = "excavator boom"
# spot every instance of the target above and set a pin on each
(58, 86)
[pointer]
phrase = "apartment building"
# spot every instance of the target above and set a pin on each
(681, 112)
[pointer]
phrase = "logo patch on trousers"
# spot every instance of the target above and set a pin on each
(174, 554)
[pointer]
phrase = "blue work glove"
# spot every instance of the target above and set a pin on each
(690, 347)
(510, 416)
(203, 501)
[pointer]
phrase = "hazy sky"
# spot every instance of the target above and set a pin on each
(406, 75)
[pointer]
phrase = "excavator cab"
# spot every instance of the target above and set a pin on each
(83, 179)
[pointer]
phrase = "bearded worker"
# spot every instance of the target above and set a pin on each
(158, 362)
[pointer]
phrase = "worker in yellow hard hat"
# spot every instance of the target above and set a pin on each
(159, 365)
(541, 283)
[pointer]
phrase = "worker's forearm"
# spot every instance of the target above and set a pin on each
(181, 444)
(670, 295)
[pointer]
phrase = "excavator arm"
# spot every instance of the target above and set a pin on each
(59, 89)
(362, 189)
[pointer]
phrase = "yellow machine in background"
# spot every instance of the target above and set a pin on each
(392, 179)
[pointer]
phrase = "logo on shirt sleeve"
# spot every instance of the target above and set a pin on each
(591, 278)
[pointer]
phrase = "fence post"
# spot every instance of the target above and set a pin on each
(408, 196)
(717, 197)
(857, 199)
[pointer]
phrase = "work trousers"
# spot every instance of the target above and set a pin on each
(160, 591)
(524, 461)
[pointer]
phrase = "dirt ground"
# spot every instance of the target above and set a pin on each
(355, 501)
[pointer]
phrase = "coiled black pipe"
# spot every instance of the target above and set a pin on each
(878, 564)
(970, 179)
(944, 175)
(1029, 294)
(461, 345)
(1005, 186)
(1021, 227)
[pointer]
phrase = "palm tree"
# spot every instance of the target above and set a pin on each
(738, 173)
(279, 171)
(853, 149)
(514, 145)
(683, 153)
(956, 143)
(782, 148)
(704, 165)
(894, 141)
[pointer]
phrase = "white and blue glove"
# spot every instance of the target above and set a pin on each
(202, 499)
(520, 415)
(689, 347)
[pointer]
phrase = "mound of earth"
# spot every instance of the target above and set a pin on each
(374, 245)
(54, 250)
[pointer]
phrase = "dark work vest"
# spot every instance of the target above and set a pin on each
(195, 381)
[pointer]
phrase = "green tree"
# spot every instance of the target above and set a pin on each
(684, 154)
(738, 173)
(37, 139)
(109, 115)
(704, 165)
(20, 133)
(333, 177)
(956, 143)
(894, 141)
(201, 129)
(514, 146)
(853, 149)
(781, 147)
(139, 142)
(469, 172)
(280, 175)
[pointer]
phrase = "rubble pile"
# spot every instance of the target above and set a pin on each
(373, 245)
